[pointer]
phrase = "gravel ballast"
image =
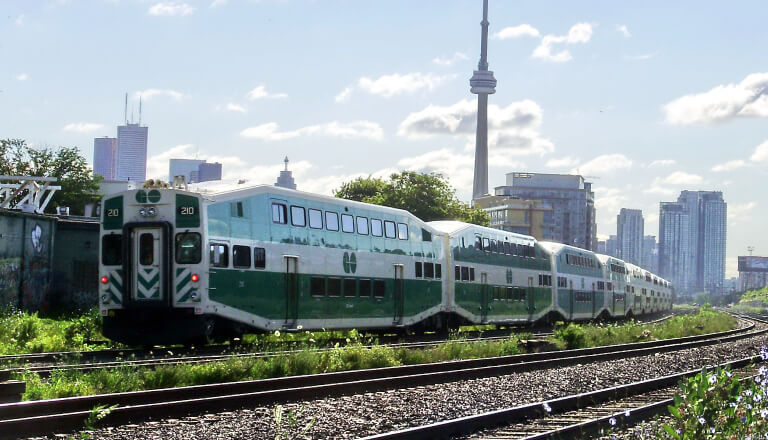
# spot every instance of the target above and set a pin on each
(364, 414)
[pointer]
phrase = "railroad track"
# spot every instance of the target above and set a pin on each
(68, 414)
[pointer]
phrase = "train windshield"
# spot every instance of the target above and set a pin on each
(189, 249)
(112, 250)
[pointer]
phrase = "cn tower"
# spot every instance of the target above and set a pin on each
(482, 84)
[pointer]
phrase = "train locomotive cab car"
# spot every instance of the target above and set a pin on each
(263, 259)
(617, 285)
(497, 277)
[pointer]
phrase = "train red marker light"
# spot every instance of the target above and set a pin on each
(104, 280)
(195, 278)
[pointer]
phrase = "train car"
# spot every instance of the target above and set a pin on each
(580, 287)
(498, 277)
(179, 266)
(616, 277)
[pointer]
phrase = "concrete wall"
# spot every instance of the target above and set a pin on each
(75, 265)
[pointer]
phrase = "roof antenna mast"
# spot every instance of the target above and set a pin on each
(139, 109)
(125, 115)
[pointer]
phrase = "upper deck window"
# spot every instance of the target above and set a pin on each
(279, 213)
(389, 229)
(331, 221)
(347, 223)
(315, 218)
(377, 228)
(402, 231)
(298, 216)
(426, 235)
(362, 225)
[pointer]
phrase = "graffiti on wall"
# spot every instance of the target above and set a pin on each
(10, 277)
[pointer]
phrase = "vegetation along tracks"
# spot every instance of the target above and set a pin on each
(56, 415)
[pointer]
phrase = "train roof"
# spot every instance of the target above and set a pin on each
(453, 227)
(556, 248)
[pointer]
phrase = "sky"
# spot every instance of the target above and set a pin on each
(644, 99)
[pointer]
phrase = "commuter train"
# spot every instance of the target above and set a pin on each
(179, 266)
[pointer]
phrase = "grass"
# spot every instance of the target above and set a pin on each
(23, 332)
(308, 359)
(572, 336)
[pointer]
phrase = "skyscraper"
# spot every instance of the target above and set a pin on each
(285, 179)
(650, 254)
(132, 152)
(572, 200)
(482, 84)
(692, 237)
(189, 168)
(208, 171)
(105, 157)
(629, 235)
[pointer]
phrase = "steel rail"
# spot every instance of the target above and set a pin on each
(67, 414)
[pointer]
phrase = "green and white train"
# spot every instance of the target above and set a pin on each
(184, 267)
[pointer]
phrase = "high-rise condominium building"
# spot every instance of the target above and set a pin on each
(184, 167)
(571, 199)
(629, 235)
(132, 152)
(650, 254)
(105, 157)
(208, 171)
(692, 237)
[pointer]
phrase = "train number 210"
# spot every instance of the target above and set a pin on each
(187, 210)
(113, 213)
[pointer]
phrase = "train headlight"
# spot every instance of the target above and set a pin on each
(194, 295)
(143, 212)
(104, 298)
(152, 211)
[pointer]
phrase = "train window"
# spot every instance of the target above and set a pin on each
(418, 269)
(389, 229)
(241, 257)
(259, 258)
(315, 218)
(146, 249)
(112, 250)
(601, 285)
(219, 255)
(365, 288)
(562, 282)
(494, 246)
(236, 209)
(298, 216)
(478, 243)
(331, 221)
(402, 231)
(189, 248)
(377, 229)
(350, 287)
(379, 288)
(279, 213)
(362, 225)
(457, 273)
(429, 270)
(426, 235)
(334, 286)
(317, 286)
(487, 244)
(438, 270)
(508, 248)
(610, 286)
(471, 274)
(347, 223)
(464, 273)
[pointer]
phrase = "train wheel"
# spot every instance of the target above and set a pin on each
(207, 337)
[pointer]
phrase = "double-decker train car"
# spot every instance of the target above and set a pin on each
(179, 266)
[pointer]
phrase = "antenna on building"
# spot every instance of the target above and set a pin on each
(125, 115)
(286, 163)
(750, 249)
(139, 109)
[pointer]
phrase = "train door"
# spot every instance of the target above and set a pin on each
(291, 291)
(531, 298)
(149, 277)
(484, 293)
(570, 300)
(399, 294)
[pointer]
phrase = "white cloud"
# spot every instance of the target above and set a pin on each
(83, 127)
(458, 56)
(458, 167)
(171, 9)
(662, 163)
(604, 164)
(395, 84)
(523, 30)
(353, 130)
(749, 98)
(344, 95)
(148, 94)
(562, 162)
(761, 153)
(624, 31)
(260, 92)
(609, 201)
(658, 188)
(737, 211)
(19, 20)
(579, 33)
(729, 166)
(683, 178)
(216, 3)
(641, 57)
(236, 108)
(22, 77)
(514, 128)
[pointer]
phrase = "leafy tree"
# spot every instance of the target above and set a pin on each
(78, 184)
(428, 196)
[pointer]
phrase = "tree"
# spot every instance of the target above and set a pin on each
(78, 184)
(428, 196)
